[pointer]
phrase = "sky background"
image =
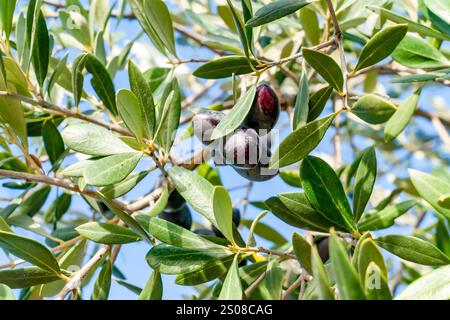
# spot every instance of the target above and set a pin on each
(131, 260)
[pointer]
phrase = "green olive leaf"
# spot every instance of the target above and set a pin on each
(381, 45)
(274, 11)
(153, 290)
(432, 286)
(298, 144)
(413, 249)
(111, 169)
(373, 109)
(347, 279)
(413, 52)
(223, 211)
(431, 189)
(412, 25)
(225, 67)
(386, 217)
(236, 116)
(107, 233)
(232, 287)
(325, 192)
(326, 67)
(30, 251)
(93, 140)
(366, 174)
(400, 119)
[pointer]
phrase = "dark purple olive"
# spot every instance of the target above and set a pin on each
(236, 221)
(175, 201)
(204, 123)
(265, 110)
(257, 174)
(322, 248)
(205, 232)
(243, 263)
(181, 217)
(242, 148)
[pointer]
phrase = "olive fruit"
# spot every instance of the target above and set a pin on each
(322, 247)
(261, 171)
(265, 109)
(258, 173)
(175, 201)
(242, 148)
(205, 232)
(236, 221)
(204, 123)
(181, 217)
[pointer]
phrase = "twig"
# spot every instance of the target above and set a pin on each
(254, 284)
(300, 54)
(54, 109)
(75, 282)
(338, 37)
(297, 283)
(40, 178)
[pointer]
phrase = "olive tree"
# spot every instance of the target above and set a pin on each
(119, 118)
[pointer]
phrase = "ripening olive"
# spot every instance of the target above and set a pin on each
(175, 201)
(265, 109)
(322, 247)
(258, 173)
(205, 232)
(242, 148)
(204, 123)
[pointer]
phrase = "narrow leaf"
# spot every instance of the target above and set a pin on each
(275, 10)
(143, 92)
(302, 250)
(102, 83)
(53, 142)
(325, 192)
(232, 287)
(386, 217)
(347, 279)
(364, 181)
(111, 169)
(107, 233)
(93, 140)
(318, 101)
(433, 286)
(381, 45)
(174, 235)
(236, 116)
(103, 283)
(431, 189)
(373, 109)
(401, 117)
(300, 142)
(197, 191)
(412, 25)
(223, 212)
(413, 249)
(301, 108)
(130, 112)
(326, 67)
(225, 67)
(30, 251)
(153, 290)
(319, 273)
